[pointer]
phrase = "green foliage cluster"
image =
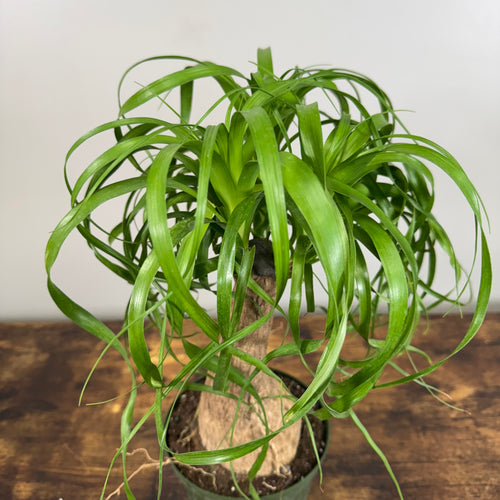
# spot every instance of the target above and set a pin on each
(341, 191)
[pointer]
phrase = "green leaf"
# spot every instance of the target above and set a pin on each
(186, 101)
(377, 450)
(311, 139)
(335, 142)
(270, 172)
(225, 270)
(173, 80)
(81, 211)
(265, 61)
(477, 319)
(136, 316)
(296, 286)
(83, 318)
(160, 235)
(324, 221)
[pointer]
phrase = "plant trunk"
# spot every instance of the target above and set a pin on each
(218, 414)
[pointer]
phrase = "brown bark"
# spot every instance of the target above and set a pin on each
(217, 414)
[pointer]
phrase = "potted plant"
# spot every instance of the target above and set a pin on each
(309, 177)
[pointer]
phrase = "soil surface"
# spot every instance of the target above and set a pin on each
(182, 436)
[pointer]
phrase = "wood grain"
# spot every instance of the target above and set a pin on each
(52, 449)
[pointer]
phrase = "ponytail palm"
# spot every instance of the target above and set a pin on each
(313, 165)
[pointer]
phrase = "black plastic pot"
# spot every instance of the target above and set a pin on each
(296, 491)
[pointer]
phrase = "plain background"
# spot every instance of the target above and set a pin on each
(60, 62)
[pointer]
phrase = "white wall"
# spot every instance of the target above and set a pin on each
(60, 61)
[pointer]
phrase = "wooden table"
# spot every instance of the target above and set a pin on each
(52, 449)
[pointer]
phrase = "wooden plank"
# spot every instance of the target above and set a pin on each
(50, 448)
